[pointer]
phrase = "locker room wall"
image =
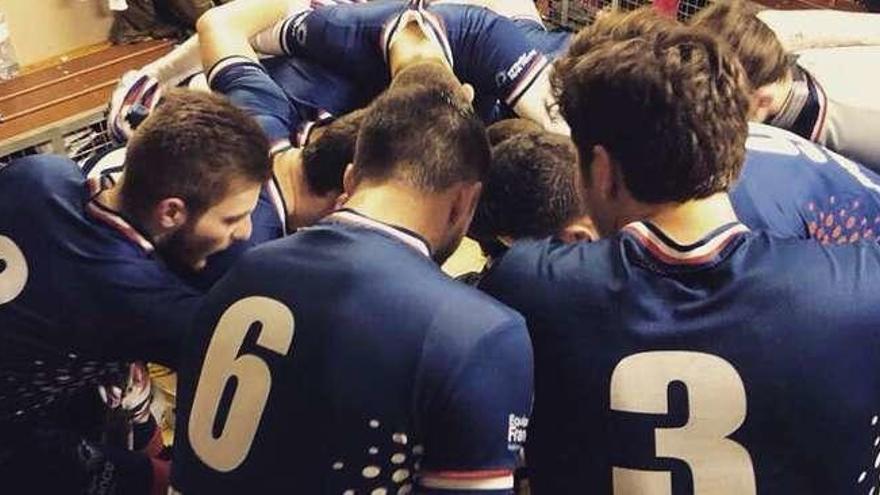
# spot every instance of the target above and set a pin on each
(43, 29)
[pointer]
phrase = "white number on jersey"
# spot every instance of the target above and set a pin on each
(254, 380)
(13, 270)
(717, 398)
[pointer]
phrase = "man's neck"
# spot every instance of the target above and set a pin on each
(780, 94)
(405, 207)
(112, 198)
(687, 223)
(287, 168)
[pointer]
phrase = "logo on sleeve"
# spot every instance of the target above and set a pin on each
(517, 427)
(504, 77)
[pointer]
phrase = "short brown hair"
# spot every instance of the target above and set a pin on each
(424, 135)
(643, 22)
(504, 129)
(670, 110)
(532, 190)
(191, 147)
(431, 74)
(759, 50)
(324, 158)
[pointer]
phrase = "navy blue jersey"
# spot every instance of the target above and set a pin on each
(486, 50)
(552, 44)
(78, 283)
(248, 86)
(741, 364)
(795, 188)
(313, 85)
(358, 366)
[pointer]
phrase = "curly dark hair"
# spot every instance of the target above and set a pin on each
(669, 104)
(532, 190)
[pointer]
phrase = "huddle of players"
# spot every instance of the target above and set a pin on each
(340, 359)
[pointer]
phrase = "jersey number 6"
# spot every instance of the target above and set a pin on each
(13, 270)
(254, 380)
(717, 398)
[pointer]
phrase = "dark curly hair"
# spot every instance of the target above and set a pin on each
(669, 103)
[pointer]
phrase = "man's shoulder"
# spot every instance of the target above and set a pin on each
(533, 261)
(41, 172)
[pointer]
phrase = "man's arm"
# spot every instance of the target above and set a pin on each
(802, 29)
(474, 431)
(537, 104)
(225, 31)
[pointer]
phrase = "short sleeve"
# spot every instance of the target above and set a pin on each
(491, 52)
(249, 87)
(145, 310)
(474, 430)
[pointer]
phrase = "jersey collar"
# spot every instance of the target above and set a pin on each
(408, 237)
(664, 249)
(804, 111)
(98, 211)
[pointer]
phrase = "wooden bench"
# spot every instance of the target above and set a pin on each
(66, 94)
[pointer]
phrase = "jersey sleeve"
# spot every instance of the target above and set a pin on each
(474, 430)
(146, 310)
(248, 86)
(344, 38)
(491, 52)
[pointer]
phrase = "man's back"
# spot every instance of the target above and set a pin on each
(485, 50)
(369, 366)
(794, 188)
(739, 364)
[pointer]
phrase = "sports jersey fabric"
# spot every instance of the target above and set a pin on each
(377, 371)
(738, 364)
(834, 101)
(795, 188)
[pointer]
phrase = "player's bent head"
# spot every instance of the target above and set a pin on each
(428, 141)
(432, 75)
(667, 116)
(507, 128)
(533, 190)
(759, 50)
(193, 171)
(324, 158)
(428, 138)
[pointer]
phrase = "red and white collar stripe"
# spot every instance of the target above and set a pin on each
(822, 98)
(525, 80)
(678, 255)
(412, 241)
(113, 219)
(501, 479)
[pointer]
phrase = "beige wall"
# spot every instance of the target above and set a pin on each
(43, 29)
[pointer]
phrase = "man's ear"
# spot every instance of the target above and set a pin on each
(603, 176)
(580, 229)
(468, 92)
(348, 180)
(170, 214)
(465, 203)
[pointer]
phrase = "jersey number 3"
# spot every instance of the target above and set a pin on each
(717, 398)
(253, 380)
(13, 270)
